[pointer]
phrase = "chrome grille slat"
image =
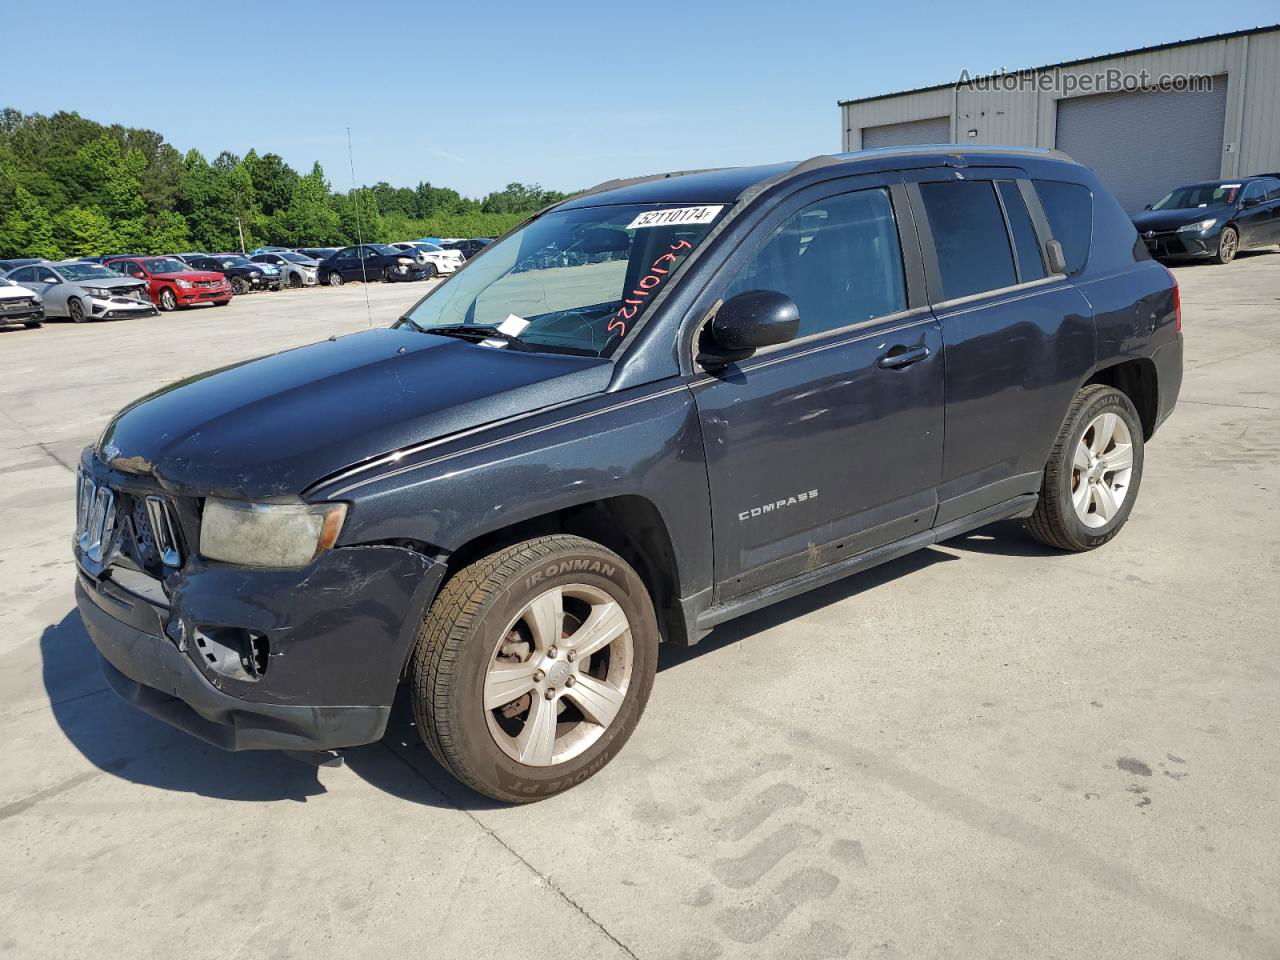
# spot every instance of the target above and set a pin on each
(164, 530)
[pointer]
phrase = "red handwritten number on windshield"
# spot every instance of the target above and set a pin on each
(650, 282)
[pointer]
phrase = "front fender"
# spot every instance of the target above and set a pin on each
(644, 442)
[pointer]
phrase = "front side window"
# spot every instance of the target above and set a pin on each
(1069, 209)
(1273, 189)
(969, 236)
(571, 281)
(838, 259)
(1253, 191)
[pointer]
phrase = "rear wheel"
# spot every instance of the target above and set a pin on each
(1228, 245)
(1091, 480)
(168, 300)
(75, 310)
(533, 667)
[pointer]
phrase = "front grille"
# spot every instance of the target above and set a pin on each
(143, 528)
(17, 306)
(207, 283)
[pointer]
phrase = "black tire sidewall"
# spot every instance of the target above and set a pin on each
(496, 772)
(1110, 401)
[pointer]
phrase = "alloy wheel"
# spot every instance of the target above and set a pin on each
(559, 675)
(1228, 245)
(1101, 469)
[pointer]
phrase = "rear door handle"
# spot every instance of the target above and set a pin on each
(900, 356)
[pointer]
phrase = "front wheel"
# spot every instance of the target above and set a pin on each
(239, 286)
(168, 300)
(430, 272)
(1094, 470)
(335, 279)
(533, 667)
(1228, 245)
(75, 310)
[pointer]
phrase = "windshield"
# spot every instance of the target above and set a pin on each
(166, 265)
(296, 257)
(86, 271)
(385, 249)
(1204, 195)
(234, 261)
(572, 281)
(429, 247)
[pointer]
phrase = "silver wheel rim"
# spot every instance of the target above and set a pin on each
(1101, 470)
(1228, 244)
(335, 279)
(559, 675)
(170, 301)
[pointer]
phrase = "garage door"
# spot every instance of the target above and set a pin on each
(933, 130)
(1143, 144)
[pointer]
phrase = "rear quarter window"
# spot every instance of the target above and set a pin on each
(1069, 209)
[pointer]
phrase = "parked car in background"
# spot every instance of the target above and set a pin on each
(1213, 220)
(692, 434)
(370, 261)
(253, 253)
(318, 253)
(83, 291)
(435, 261)
(19, 305)
(296, 269)
(468, 248)
(109, 256)
(7, 265)
(171, 283)
(242, 273)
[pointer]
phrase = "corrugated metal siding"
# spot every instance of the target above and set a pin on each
(1029, 118)
(1144, 144)
(933, 130)
(1260, 143)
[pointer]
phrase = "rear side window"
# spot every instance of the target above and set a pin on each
(838, 259)
(970, 237)
(1025, 242)
(1069, 209)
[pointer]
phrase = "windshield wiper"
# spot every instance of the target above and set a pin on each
(474, 333)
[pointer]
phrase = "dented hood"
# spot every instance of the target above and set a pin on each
(274, 426)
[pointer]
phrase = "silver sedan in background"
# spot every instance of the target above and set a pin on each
(296, 269)
(84, 291)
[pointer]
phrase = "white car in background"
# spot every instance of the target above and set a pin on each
(437, 260)
(19, 305)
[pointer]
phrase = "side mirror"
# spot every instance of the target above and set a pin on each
(1057, 259)
(745, 323)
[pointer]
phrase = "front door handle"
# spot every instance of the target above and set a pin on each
(900, 356)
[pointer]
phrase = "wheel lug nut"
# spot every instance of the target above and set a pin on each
(572, 655)
(570, 681)
(538, 676)
(551, 652)
(550, 694)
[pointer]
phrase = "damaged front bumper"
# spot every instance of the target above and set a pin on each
(262, 659)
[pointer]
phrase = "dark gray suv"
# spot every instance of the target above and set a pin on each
(649, 409)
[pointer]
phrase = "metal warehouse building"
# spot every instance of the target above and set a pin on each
(1146, 120)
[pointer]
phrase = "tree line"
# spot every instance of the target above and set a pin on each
(71, 187)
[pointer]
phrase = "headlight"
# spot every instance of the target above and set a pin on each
(98, 292)
(184, 284)
(1197, 227)
(269, 534)
(254, 274)
(404, 260)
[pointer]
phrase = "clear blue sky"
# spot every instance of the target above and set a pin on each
(476, 94)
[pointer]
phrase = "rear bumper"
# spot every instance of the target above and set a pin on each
(1168, 362)
(153, 675)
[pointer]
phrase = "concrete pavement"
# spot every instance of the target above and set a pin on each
(986, 749)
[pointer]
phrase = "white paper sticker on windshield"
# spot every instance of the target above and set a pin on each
(676, 216)
(513, 326)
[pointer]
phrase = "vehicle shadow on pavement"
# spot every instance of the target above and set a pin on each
(1005, 538)
(125, 742)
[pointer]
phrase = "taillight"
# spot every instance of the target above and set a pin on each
(1177, 301)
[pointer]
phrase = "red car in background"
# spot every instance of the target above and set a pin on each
(172, 284)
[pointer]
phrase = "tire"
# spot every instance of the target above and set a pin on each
(429, 272)
(1228, 245)
(168, 300)
(334, 279)
(239, 286)
(1085, 499)
(483, 623)
(75, 310)
(33, 324)
(388, 275)
(295, 280)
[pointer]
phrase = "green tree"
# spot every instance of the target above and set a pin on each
(84, 232)
(26, 229)
(309, 216)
